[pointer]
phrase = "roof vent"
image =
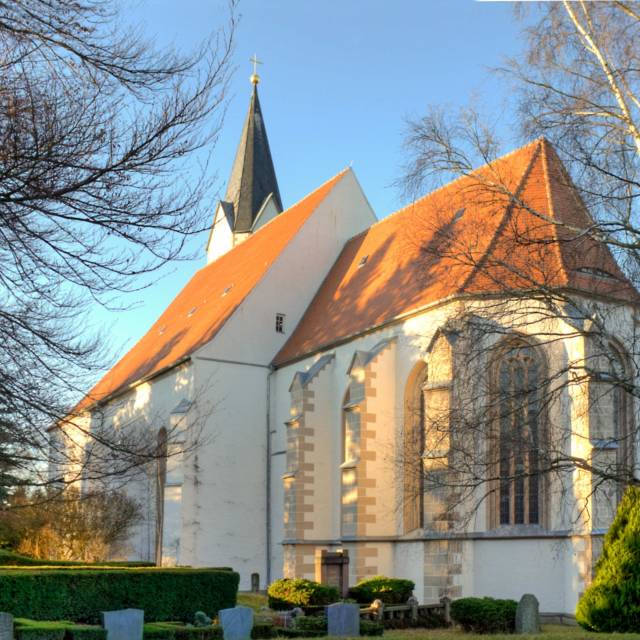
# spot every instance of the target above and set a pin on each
(363, 261)
(162, 329)
(226, 291)
(192, 311)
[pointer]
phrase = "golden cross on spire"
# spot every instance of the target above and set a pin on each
(255, 78)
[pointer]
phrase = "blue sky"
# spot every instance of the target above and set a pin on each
(338, 81)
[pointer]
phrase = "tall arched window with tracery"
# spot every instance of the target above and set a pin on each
(518, 430)
(610, 429)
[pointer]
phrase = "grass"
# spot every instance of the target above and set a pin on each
(549, 632)
(252, 600)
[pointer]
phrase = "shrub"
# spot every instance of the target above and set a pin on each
(81, 594)
(371, 628)
(389, 590)
(59, 630)
(612, 601)
(263, 631)
(177, 631)
(485, 615)
(288, 593)
(317, 624)
(31, 630)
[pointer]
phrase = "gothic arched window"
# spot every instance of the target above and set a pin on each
(610, 430)
(519, 432)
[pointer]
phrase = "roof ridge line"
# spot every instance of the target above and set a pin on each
(452, 182)
(266, 224)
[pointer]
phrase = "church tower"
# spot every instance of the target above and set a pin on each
(252, 196)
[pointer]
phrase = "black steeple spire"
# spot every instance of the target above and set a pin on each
(253, 177)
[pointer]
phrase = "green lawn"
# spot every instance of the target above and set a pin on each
(253, 600)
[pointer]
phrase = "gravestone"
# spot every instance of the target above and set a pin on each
(236, 623)
(6, 626)
(343, 619)
(124, 624)
(527, 616)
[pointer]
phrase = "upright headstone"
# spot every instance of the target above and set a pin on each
(343, 619)
(527, 615)
(6, 626)
(124, 624)
(236, 623)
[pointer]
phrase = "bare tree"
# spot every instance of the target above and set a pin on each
(104, 146)
(506, 437)
(90, 528)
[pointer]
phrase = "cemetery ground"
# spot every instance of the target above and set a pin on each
(258, 602)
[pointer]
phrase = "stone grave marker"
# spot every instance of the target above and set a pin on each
(343, 619)
(527, 616)
(6, 626)
(124, 624)
(236, 623)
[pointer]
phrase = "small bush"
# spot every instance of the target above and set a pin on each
(389, 590)
(288, 593)
(371, 628)
(485, 615)
(178, 631)
(611, 603)
(263, 631)
(81, 594)
(311, 623)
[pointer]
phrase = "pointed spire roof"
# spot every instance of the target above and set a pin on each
(253, 177)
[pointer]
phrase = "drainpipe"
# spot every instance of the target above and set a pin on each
(268, 483)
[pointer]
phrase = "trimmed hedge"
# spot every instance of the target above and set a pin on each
(59, 630)
(313, 626)
(81, 594)
(389, 590)
(288, 593)
(177, 631)
(611, 603)
(485, 615)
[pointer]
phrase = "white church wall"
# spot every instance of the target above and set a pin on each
(145, 409)
(225, 490)
(221, 236)
(294, 277)
(553, 566)
(511, 568)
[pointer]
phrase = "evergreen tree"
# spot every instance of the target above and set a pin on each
(612, 602)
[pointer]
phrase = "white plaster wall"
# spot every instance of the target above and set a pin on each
(511, 568)
(144, 410)
(293, 279)
(221, 237)
(225, 482)
(408, 562)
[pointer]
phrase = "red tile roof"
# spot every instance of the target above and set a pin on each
(208, 300)
(468, 237)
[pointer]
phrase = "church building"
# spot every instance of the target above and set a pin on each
(390, 395)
